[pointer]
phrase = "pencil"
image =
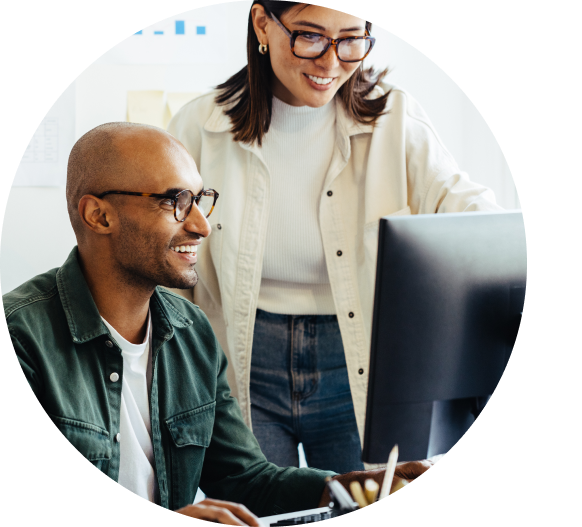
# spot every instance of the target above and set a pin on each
(371, 489)
(358, 494)
(389, 474)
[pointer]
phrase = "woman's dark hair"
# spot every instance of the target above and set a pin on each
(250, 89)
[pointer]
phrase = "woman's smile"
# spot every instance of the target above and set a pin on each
(319, 83)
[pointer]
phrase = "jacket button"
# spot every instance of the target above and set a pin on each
(219, 226)
(118, 437)
(329, 193)
(361, 371)
(351, 314)
(109, 344)
(339, 253)
(114, 377)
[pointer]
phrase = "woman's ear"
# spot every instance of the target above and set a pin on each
(260, 19)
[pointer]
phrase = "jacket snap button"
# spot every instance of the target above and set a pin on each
(329, 193)
(351, 314)
(118, 437)
(339, 253)
(361, 371)
(109, 344)
(114, 377)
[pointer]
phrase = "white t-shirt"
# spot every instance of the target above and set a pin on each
(136, 470)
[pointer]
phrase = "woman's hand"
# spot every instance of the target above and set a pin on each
(219, 511)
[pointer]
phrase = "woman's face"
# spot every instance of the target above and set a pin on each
(295, 78)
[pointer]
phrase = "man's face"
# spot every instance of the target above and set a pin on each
(148, 234)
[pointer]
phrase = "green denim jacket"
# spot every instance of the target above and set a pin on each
(198, 434)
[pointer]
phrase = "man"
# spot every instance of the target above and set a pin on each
(131, 373)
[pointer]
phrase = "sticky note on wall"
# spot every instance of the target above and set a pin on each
(146, 107)
(175, 101)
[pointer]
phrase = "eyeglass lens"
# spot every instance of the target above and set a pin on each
(205, 204)
(184, 205)
(312, 45)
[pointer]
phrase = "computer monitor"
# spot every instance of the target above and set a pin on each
(449, 295)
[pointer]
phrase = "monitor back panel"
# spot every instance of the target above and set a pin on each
(449, 293)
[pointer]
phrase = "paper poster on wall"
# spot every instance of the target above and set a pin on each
(155, 107)
(175, 101)
(44, 163)
(194, 37)
(146, 107)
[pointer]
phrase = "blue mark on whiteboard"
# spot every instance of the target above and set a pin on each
(179, 29)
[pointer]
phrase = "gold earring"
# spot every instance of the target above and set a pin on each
(263, 49)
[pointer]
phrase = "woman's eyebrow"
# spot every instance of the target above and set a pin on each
(321, 28)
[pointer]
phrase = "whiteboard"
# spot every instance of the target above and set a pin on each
(194, 37)
(44, 163)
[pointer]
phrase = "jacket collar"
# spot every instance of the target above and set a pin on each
(83, 317)
(346, 128)
(218, 120)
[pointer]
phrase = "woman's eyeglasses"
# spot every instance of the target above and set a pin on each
(181, 202)
(309, 45)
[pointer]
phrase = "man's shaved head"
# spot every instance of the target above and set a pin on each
(108, 158)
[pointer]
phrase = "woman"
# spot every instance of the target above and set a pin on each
(308, 150)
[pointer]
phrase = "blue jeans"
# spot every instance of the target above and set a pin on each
(300, 392)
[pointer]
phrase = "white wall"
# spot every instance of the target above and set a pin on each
(39, 213)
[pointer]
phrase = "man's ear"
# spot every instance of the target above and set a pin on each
(96, 214)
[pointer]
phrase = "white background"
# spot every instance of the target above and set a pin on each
(99, 95)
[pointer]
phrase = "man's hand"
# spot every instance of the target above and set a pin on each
(218, 511)
(411, 469)
(408, 470)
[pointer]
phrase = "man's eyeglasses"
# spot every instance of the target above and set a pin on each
(309, 45)
(181, 202)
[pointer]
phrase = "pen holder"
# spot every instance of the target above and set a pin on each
(398, 485)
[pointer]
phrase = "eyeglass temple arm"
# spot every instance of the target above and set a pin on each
(285, 30)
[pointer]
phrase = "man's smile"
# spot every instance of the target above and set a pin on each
(185, 248)
(186, 252)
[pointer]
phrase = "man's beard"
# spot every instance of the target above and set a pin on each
(144, 262)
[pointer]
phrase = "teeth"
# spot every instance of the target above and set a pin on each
(320, 80)
(185, 249)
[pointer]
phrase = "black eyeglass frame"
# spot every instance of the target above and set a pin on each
(335, 42)
(174, 197)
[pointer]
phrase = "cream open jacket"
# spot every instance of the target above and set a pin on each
(399, 166)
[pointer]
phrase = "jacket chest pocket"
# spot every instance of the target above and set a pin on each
(90, 440)
(191, 433)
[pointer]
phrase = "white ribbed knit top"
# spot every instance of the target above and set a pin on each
(297, 150)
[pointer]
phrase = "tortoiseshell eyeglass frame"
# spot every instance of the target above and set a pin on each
(335, 42)
(173, 197)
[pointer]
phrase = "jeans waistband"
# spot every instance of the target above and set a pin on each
(284, 319)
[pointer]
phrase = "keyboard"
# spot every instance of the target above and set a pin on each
(307, 519)
(342, 504)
